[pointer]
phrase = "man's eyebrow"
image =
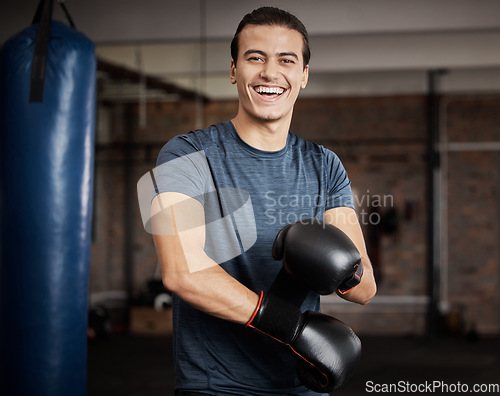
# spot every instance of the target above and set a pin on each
(254, 51)
(280, 54)
(292, 54)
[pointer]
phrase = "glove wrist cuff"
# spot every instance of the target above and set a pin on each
(351, 282)
(276, 318)
(257, 308)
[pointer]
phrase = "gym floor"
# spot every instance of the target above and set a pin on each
(142, 366)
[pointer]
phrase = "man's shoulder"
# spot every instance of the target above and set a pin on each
(193, 141)
(209, 134)
(315, 151)
(306, 146)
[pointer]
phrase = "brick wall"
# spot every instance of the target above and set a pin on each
(381, 141)
(473, 211)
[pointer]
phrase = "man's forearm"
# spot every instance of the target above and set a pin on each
(211, 290)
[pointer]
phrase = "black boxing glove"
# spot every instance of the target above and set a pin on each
(319, 254)
(316, 257)
(331, 349)
(327, 350)
(321, 258)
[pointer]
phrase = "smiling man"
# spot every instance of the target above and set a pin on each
(269, 70)
(251, 223)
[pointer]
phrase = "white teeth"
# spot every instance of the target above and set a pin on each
(270, 90)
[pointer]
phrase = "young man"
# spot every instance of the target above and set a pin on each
(223, 194)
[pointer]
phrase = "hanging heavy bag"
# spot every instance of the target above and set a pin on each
(47, 121)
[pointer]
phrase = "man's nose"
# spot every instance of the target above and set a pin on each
(269, 71)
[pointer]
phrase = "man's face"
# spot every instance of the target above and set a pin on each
(269, 72)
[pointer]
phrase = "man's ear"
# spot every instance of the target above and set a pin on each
(232, 72)
(305, 77)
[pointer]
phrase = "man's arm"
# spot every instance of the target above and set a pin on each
(346, 220)
(179, 236)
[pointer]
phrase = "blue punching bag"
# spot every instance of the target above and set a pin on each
(47, 154)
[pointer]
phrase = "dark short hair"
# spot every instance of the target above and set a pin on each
(272, 16)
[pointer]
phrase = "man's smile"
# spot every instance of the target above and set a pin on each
(265, 90)
(269, 93)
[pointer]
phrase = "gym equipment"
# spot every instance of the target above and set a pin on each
(47, 121)
(316, 256)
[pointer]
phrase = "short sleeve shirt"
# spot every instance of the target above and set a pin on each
(248, 195)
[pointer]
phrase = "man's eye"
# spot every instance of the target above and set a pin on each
(288, 61)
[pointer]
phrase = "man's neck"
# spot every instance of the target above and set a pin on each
(266, 136)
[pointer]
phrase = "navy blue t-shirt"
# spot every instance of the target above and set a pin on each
(248, 195)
